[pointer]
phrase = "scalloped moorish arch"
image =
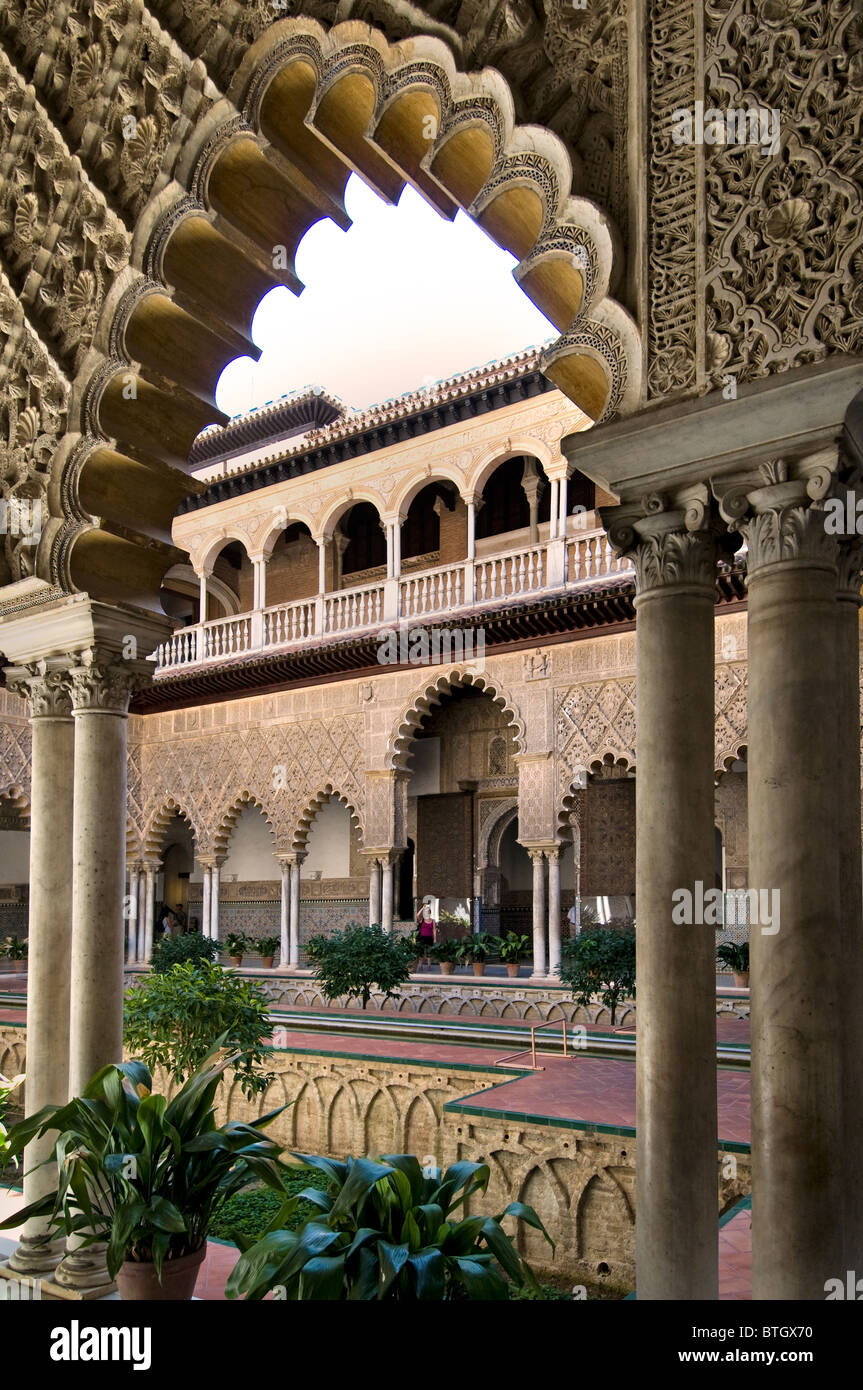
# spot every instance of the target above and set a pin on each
(305, 110)
(227, 822)
(402, 736)
(306, 818)
(156, 827)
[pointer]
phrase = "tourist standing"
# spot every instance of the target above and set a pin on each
(426, 933)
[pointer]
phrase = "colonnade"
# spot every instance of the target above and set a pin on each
(382, 865)
(78, 705)
(804, 845)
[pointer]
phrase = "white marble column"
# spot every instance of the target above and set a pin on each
(471, 529)
(50, 935)
(539, 953)
(215, 871)
(563, 503)
(554, 509)
(677, 1225)
(397, 547)
(387, 893)
(134, 913)
(206, 900)
(374, 893)
(149, 908)
(285, 914)
(101, 687)
(295, 913)
(322, 564)
(553, 856)
(202, 597)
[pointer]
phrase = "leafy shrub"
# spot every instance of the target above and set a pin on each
(387, 1231)
(248, 1214)
(236, 943)
(7, 1086)
(600, 961)
(143, 1173)
(174, 1021)
(514, 947)
(478, 947)
(173, 950)
(445, 950)
(14, 947)
(350, 963)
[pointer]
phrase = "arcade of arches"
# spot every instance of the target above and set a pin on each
(704, 393)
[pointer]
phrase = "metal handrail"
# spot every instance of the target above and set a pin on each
(534, 1029)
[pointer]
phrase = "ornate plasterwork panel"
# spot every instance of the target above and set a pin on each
(592, 722)
(731, 686)
(784, 230)
(283, 768)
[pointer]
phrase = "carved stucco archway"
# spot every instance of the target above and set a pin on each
(306, 817)
(157, 824)
(404, 731)
(306, 108)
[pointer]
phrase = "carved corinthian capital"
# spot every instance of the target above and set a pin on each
(670, 539)
(47, 690)
(783, 533)
(102, 683)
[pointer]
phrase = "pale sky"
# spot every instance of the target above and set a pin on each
(400, 300)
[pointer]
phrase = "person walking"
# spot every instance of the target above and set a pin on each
(426, 933)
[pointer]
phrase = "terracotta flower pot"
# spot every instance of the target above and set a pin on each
(741, 979)
(235, 960)
(137, 1279)
(479, 967)
(447, 967)
(267, 962)
(19, 967)
(512, 969)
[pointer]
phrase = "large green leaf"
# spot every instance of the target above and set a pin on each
(322, 1277)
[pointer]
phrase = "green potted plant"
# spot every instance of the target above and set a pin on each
(7, 1086)
(387, 1229)
(475, 950)
(14, 948)
(513, 948)
(446, 955)
(236, 945)
(734, 956)
(144, 1175)
(267, 946)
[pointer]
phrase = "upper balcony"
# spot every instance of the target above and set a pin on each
(520, 572)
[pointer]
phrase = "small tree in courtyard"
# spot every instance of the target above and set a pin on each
(173, 950)
(601, 961)
(174, 1021)
(353, 961)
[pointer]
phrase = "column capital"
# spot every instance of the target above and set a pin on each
(288, 858)
(779, 506)
(102, 682)
(211, 861)
(670, 537)
(45, 685)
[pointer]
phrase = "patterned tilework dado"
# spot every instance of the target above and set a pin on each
(608, 839)
(13, 919)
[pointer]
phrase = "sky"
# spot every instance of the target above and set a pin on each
(400, 300)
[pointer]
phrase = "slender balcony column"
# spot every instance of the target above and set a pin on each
(397, 547)
(202, 596)
(847, 772)
(101, 688)
(553, 509)
(149, 909)
(799, 720)
(321, 543)
(471, 528)
(532, 485)
(539, 914)
(295, 911)
(215, 870)
(374, 893)
(563, 502)
(677, 1217)
(389, 528)
(285, 912)
(206, 900)
(50, 936)
(553, 856)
